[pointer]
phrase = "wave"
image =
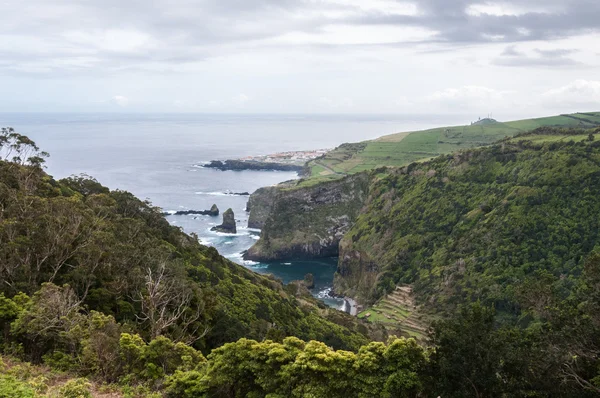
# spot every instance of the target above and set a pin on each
(211, 193)
(324, 293)
(255, 230)
(226, 234)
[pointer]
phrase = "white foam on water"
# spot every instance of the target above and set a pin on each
(255, 265)
(254, 230)
(211, 193)
(226, 193)
(228, 235)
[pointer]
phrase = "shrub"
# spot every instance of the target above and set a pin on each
(11, 387)
(77, 388)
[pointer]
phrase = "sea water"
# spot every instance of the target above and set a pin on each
(159, 157)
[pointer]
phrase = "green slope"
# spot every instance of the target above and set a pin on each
(485, 224)
(404, 148)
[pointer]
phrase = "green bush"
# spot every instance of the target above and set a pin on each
(11, 387)
(77, 388)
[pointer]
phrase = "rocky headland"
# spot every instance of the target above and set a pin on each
(241, 165)
(305, 222)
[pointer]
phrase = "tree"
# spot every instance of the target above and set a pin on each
(20, 149)
(167, 300)
(52, 313)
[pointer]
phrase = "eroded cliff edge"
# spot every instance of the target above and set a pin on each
(259, 205)
(306, 221)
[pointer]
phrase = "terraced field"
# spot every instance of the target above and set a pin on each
(398, 313)
(404, 148)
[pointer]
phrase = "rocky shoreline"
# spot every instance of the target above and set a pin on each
(243, 165)
(213, 212)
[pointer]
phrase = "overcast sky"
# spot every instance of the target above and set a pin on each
(512, 58)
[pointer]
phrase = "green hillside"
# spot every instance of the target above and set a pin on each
(404, 148)
(484, 224)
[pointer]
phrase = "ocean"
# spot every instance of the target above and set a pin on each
(159, 156)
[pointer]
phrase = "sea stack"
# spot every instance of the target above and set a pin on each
(228, 225)
(214, 210)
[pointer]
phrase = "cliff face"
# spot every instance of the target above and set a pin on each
(309, 221)
(259, 205)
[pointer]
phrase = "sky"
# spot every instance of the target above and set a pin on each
(508, 58)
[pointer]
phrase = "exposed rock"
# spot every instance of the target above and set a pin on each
(228, 225)
(259, 205)
(309, 281)
(239, 165)
(307, 222)
(214, 211)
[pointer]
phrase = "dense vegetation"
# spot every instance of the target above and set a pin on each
(96, 287)
(492, 224)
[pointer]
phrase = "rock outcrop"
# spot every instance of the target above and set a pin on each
(309, 221)
(239, 165)
(228, 226)
(309, 281)
(214, 211)
(259, 205)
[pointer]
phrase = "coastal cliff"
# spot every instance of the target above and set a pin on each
(259, 205)
(307, 221)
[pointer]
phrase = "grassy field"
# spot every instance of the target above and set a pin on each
(551, 138)
(407, 147)
(398, 313)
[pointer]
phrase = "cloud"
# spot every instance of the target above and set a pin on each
(579, 93)
(109, 35)
(537, 57)
(465, 94)
(466, 21)
(357, 55)
(469, 99)
(335, 104)
(120, 100)
(241, 99)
